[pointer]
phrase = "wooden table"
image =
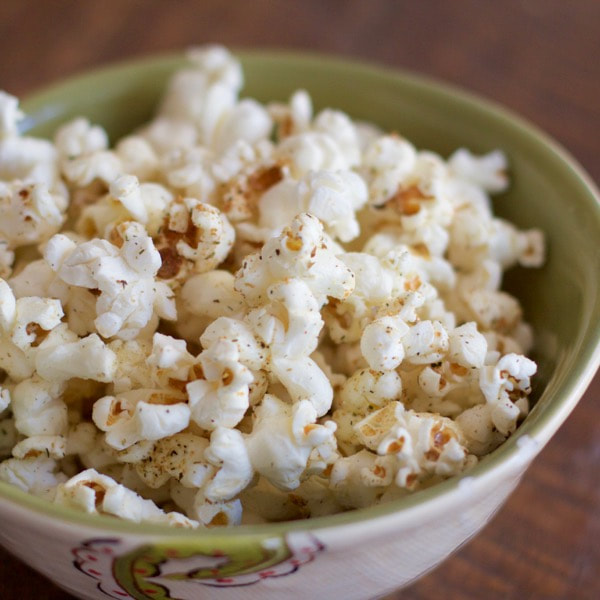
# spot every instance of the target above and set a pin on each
(538, 57)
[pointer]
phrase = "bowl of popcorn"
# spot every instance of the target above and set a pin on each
(278, 325)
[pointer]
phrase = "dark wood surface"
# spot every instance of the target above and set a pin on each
(539, 57)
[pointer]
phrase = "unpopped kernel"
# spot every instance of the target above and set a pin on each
(243, 312)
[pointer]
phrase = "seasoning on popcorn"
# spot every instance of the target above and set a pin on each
(251, 312)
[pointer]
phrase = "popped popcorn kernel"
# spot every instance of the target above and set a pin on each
(195, 238)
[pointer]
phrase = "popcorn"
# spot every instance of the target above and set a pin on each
(210, 66)
(421, 444)
(330, 143)
(291, 335)
(442, 383)
(211, 295)
(38, 408)
(194, 234)
(332, 197)
(467, 347)
(180, 456)
(28, 326)
(310, 152)
(33, 318)
(294, 117)
(481, 435)
(7, 257)
(139, 415)
(166, 134)
(264, 502)
(475, 239)
(208, 513)
(4, 399)
(498, 311)
(37, 279)
(250, 312)
(53, 446)
(83, 170)
(423, 257)
(8, 306)
(247, 121)
(206, 96)
(425, 342)
(283, 438)
(373, 286)
(215, 514)
(350, 482)
(28, 160)
(228, 453)
(420, 206)
(132, 369)
(35, 475)
(137, 157)
(79, 137)
(169, 360)
(254, 162)
(83, 154)
(86, 358)
(95, 493)
(381, 343)
(81, 438)
(301, 250)
(80, 308)
(505, 387)
(341, 129)
(365, 391)
(487, 172)
(210, 473)
(123, 274)
(188, 169)
(220, 397)
(250, 351)
(128, 191)
(29, 213)
(388, 160)
(10, 115)
(387, 286)
(93, 451)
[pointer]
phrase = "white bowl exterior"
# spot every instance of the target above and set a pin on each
(356, 561)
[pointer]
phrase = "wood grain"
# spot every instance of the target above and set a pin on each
(538, 57)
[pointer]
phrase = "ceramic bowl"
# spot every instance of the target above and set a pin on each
(364, 553)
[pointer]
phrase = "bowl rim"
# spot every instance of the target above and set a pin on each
(489, 469)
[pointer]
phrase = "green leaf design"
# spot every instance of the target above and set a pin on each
(238, 556)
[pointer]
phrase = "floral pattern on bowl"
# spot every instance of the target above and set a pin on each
(175, 570)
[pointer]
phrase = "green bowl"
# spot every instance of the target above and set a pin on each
(549, 190)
